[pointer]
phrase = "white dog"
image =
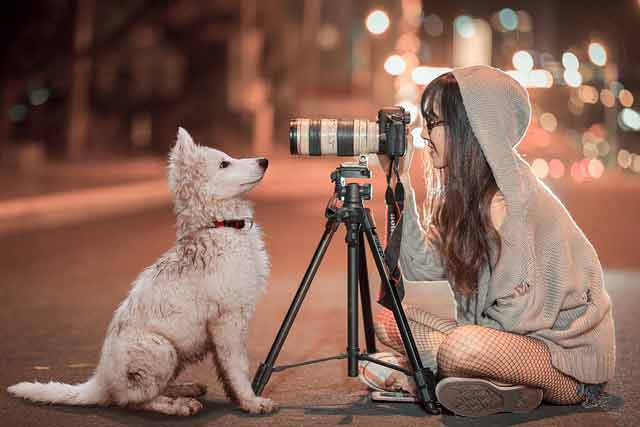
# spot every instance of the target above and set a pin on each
(197, 298)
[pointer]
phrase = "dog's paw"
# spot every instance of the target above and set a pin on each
(259, 405)
(185, 406)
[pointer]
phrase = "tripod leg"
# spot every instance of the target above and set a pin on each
(353, 252)
(365, 298)
(424, 378)
(266, 368)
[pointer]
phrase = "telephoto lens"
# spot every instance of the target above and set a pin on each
(332, 137)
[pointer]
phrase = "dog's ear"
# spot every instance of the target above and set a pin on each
(184, 156)
(184, 142)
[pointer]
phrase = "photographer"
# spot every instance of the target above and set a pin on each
(533, 320)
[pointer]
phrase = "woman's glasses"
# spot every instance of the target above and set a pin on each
(430, 124)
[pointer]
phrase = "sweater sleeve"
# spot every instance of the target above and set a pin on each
(419, 259)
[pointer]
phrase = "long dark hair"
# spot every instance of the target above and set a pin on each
(462, 219)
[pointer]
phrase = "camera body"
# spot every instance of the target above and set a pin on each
(333, 137)
(392, 123)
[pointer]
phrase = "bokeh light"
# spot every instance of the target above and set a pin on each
(629, 119)
(17, 113)
(328, 37)
(39, 96)
(508, 19)
(626, 98)
(588, 94)
(523, 61)
(590, 150)
(624, 159)
(540, 168)
(540, 78)
(556, 168)
(463, 24)
(377, 22)
(572, 78)
(433, 25)
(597, 54)
(607, 98)
(548, 122)
(595, 168)
(578, 172)
(604, 148)
(395, 65)
(570, 61)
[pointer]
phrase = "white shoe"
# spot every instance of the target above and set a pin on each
(476, 397)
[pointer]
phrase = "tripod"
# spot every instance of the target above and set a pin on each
(359, 225)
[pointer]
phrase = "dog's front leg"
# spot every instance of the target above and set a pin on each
(229, 336)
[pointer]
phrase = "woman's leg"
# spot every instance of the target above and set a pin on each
(474, 351)
(428, 330)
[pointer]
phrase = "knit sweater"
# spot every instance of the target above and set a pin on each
(548, 282)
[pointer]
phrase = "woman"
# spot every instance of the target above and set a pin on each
(533, 319)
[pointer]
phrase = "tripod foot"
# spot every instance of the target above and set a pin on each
(261, 378)
(425, 390)
(432, 408)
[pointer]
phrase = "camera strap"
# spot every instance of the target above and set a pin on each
(394, 200)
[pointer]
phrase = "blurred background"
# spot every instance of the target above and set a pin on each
(92, 93)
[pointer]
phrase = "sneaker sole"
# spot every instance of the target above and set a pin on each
(474, 397)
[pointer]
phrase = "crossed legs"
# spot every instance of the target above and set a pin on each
(474, 351)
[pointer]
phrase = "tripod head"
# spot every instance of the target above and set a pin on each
(352, 170)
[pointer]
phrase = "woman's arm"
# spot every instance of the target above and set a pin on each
(419, 258)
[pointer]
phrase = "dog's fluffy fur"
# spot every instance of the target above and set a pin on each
(196, 299)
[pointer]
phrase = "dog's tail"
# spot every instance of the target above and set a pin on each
(88, 393)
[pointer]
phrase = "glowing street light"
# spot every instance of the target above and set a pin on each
(597, 54)
(508, 19)
(395, 65)
(377, 22)
(572, 78)
(570, 61)
(523, 61)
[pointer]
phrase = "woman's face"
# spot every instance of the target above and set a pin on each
(433, 133)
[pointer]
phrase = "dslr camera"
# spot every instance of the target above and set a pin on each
(337, 137)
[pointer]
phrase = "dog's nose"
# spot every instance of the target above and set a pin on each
(263, 163)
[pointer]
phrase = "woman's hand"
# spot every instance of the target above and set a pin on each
(405, 161)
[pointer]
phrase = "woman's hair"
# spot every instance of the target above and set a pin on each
(462, 217)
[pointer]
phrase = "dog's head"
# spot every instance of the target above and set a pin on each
(199, 174)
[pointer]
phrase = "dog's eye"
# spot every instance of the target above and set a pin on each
(224, 164)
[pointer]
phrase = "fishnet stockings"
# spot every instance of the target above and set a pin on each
(481, 352)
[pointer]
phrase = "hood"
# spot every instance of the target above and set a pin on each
(499, 111)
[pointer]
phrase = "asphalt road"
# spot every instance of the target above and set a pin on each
(60, 287)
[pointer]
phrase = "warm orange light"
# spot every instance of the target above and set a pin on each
(556, 168)
(626, 98)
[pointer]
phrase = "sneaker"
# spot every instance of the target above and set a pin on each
(374, 375)
(475, 397)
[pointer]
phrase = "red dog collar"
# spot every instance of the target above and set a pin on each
(233, 223)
